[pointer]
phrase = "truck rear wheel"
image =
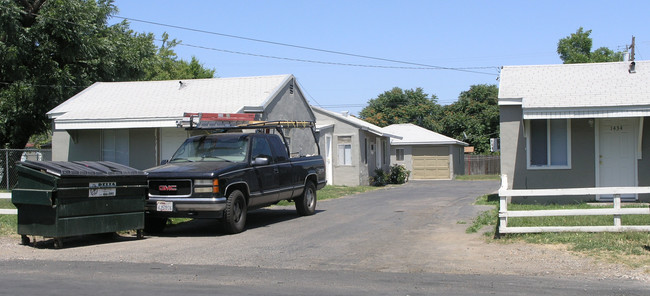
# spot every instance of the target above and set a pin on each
(306, 203)
(235, 215)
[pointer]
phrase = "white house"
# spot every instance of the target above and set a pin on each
(353, 148)
(134, 123)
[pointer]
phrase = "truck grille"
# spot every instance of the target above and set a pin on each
(170, 187)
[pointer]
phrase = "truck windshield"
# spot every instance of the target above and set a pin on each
(222, 147)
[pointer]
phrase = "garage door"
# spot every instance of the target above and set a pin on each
(431, 163)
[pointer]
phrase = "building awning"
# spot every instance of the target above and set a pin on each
(114, 124)
(576, 113)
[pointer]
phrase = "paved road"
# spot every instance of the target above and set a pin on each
(407, 240)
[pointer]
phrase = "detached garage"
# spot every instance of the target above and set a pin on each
(428, 155)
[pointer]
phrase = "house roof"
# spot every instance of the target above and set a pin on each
(359, 123)
(577, 90)
(161, 103)
(415, 135)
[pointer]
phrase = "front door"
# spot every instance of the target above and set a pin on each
(616, 155)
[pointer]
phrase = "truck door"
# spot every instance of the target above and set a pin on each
(268, 176)
(281, 159)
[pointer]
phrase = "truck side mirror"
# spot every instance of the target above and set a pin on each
(164, 161)
(260, 161)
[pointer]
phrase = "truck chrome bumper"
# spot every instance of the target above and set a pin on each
(189, 204)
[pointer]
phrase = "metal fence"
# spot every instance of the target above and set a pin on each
(8, 159)
(482, 164)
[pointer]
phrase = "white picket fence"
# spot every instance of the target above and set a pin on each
(616, 211)
(7, 211)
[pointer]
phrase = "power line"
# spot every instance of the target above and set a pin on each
(324, 62)
(299, 46)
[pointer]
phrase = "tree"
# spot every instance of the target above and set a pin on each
(52, 49)
(474, 118)
(167, 65)
(403, 106)
(576, 48)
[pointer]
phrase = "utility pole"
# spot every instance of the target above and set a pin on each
(631, 47)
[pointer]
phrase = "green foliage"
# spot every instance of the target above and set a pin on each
(576, 48)
(403, 106)
(474, 118)
(379, 179)
(52, 49)
(485, 218)
(167, 65)
(335, 191)
(477, 177)
(398, 174)
(627, 247)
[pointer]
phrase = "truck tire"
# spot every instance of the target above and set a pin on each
(306, 203)
(154, 224)
(235, 215)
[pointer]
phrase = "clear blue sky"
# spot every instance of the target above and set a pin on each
(481, 35)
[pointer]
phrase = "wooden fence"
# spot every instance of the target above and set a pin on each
(482, 164)
(616, 211)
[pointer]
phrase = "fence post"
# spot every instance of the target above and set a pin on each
(7, 168)
(617, 206)
(503, 203)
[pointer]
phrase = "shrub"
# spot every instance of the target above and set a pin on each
(398, 174)
(379, 179)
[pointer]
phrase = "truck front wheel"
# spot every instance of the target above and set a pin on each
(235, 215)
(306, 203)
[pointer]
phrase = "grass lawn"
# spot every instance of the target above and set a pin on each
(7, 222)
(331, 191)
(478, 177)
(630, 248)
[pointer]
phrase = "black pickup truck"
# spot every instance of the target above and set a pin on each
(222, 176)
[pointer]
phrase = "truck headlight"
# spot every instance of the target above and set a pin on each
(206, 186)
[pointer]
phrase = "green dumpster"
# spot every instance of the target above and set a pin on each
(58, 199)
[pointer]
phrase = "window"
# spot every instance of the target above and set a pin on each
(399, 154)
(261, 148)
(548, 143)
(345, 150)
(115, 146)
(345, 154)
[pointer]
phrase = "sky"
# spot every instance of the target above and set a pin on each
(345, 53)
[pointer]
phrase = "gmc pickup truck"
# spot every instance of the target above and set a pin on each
(222, 176)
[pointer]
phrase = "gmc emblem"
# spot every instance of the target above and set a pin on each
(167, 188)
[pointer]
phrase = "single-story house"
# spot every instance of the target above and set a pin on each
(353, 149)
(575, 126)
(135, 123)
(427, 154)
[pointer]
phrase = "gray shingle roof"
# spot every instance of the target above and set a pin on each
(577, 90)
(415, 135)
(353, 121)
(166, 101)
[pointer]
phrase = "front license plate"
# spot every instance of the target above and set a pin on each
(164, 206)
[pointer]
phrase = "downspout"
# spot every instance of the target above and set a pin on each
(639, 148)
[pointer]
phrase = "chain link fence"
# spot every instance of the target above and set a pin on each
(9, 158)
(482, 164)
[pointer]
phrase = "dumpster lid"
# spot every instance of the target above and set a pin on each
(82, 168)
